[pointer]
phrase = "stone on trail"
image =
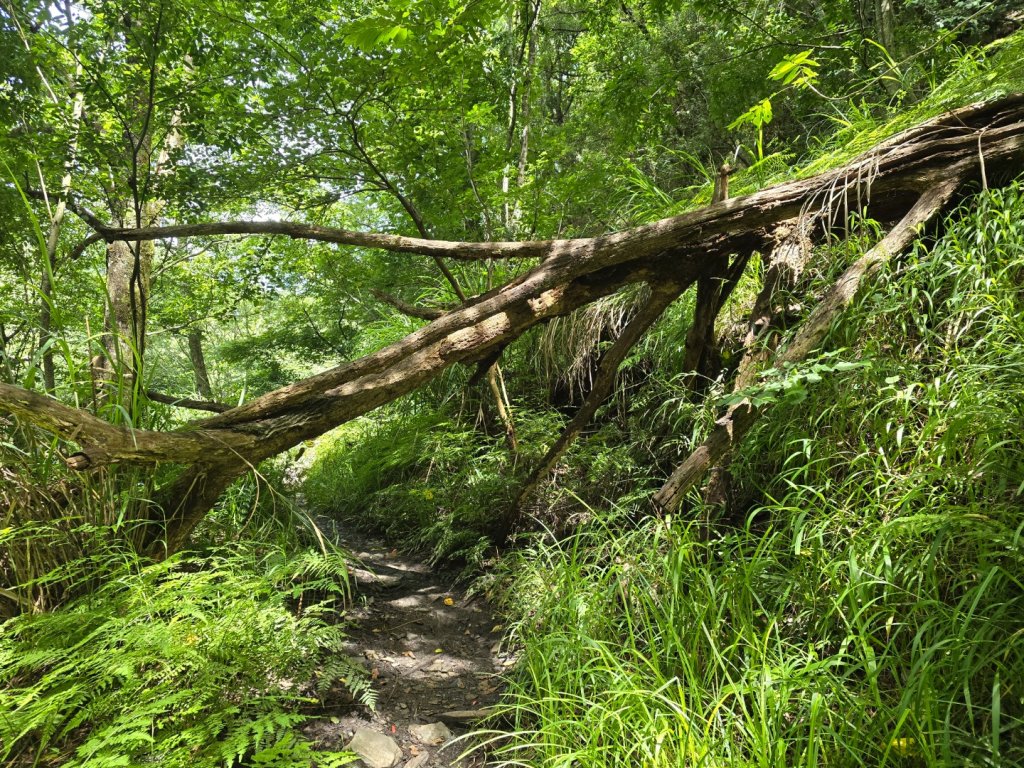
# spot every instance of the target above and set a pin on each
(465, 716)
(375, 749)
(417, 761)
(432, 733)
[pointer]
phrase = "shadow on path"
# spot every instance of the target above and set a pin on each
(431, 651)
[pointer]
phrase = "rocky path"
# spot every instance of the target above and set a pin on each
(433, 655)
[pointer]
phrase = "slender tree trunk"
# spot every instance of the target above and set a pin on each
(129, 273)
(524, 108)
(195, 353)
(130, 265)
(53, 234)
(885, 31)
(519, 111)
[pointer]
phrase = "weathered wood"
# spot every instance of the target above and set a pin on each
(702, 358)
(737, 421)
(103, 443)
(782, 267)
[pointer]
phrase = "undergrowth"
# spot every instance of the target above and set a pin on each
(865, 609)
(433, 483)
(188, 662)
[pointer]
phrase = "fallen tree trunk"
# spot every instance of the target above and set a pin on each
(917, 170)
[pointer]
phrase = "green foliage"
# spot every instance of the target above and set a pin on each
(432, 483)
(184, 663)
(792, 381)
(863, 613)
(866, 610)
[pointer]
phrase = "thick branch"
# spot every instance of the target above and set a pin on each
(782, 269)
(662, 296)
(104, 443)
(702, 359)
(734, 425)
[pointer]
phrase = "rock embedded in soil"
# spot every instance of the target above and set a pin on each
(432, 733)
(466, 716)
(375, 749)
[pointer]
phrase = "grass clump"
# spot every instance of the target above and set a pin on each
(772, 647)
(865, 608)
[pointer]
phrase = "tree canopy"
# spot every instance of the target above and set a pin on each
(472, 128)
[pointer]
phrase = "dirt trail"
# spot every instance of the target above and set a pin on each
(432, 652)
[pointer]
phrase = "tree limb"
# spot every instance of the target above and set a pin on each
(901, 164)
(734, 425)
(74, 205)
(184, 402)
(423, 313)
(105, 443)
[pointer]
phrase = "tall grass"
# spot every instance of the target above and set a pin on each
(869, 609)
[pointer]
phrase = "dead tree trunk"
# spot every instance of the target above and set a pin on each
(909, 179)
(782, 268)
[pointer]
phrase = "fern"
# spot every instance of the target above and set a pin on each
(179, 664)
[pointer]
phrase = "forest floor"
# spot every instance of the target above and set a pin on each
(432, 652)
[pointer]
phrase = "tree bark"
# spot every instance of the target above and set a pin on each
(702, 358)
(195, 353)
(734, 425)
